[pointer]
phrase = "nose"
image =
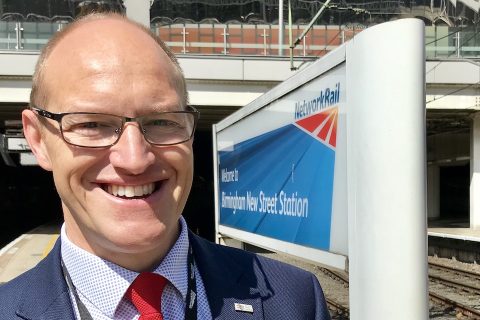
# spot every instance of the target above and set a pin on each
(132, 153)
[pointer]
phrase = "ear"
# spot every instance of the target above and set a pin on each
(35, 138)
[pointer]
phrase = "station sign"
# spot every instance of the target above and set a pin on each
(17, 144)
(28, 159)
(329, 166)
(277, 181)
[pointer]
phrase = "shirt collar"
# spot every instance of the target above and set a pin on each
(112, 281)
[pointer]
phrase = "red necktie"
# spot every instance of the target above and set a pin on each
(146, 295)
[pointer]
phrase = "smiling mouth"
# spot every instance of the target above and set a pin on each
(131, 192)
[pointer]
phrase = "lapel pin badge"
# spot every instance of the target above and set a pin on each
(243, 307)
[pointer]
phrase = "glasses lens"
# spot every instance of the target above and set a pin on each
(168, 128)
(91, 130)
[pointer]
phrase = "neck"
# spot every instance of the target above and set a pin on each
(134, 257)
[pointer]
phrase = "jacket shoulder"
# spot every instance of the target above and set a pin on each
(12, 292)
(40, 292)
(240, 257)
(286, 291)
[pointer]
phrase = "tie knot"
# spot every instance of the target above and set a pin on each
(146, 293)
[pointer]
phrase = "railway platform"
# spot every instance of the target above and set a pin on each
(466, 234)
(460, 243)
(26, 251)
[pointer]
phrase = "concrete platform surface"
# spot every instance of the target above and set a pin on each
(26, 251)
(467, 234)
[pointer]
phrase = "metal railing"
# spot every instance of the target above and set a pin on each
(452, 42)
(247, 39)
(26, 35)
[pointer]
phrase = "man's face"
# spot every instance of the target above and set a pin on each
(109, 66)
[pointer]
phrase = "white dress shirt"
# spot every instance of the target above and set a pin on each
(101, 284)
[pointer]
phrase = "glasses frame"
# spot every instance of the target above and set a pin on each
(58, 118)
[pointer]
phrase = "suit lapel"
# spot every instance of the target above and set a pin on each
(46, 297)
(230, 279)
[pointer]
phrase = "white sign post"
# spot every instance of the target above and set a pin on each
(330, 166)
(387, 173)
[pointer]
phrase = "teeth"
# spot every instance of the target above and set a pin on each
(120, 191)
(138, 191)
(131, 191)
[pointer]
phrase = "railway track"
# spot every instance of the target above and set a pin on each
(458, 307)
(341, 311)
(463, 273)
(452, 290)
(336, 276)
(456, 289)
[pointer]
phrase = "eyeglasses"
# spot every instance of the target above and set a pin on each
(100, 130)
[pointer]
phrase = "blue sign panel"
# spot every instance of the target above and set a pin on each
(280, 184)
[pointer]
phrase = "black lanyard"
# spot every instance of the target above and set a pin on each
(191, 300)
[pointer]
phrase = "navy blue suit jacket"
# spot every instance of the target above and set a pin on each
(275, 290)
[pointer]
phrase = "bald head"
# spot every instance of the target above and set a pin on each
(104, 68)
(99, 43)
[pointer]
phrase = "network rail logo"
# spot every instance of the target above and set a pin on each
(289, 200)
(322, 125)
(326, 98)
(319, 115)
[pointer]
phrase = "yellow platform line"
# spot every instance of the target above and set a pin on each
(50, 245)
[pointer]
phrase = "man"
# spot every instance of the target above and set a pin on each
(109, 118)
